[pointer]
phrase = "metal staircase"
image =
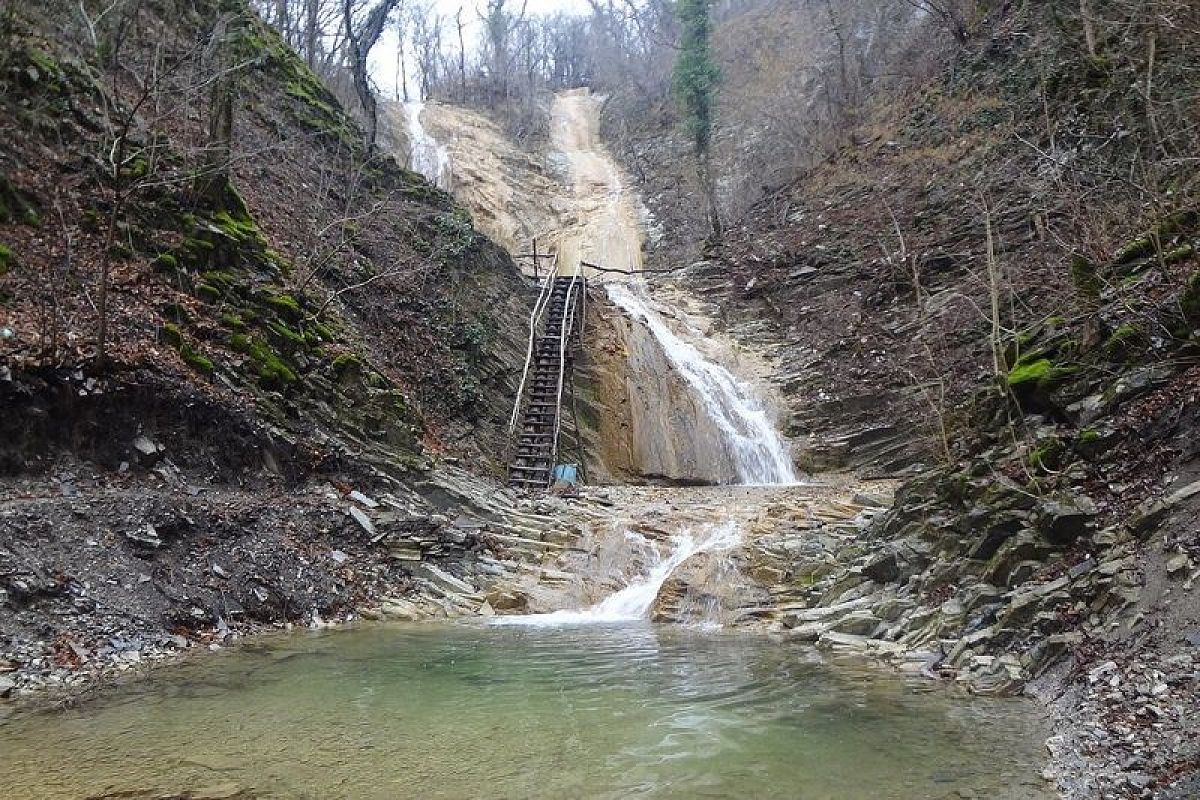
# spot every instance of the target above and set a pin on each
(555, 330)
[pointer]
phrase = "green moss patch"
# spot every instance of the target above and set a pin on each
(17, 205)
(286, 336)
(272, 370)
(286, 305)
(6, 259)
(346, 363)
(240, 228)
(1189, 302)
(1158, 238)
(233, 322)
(1031, 373)
(196, 360)
(165, 263)
(208, 293)
(171, 334)
(1123, 342)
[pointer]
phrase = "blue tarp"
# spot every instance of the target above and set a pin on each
(567, 473)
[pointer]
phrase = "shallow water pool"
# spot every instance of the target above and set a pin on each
(467, 711)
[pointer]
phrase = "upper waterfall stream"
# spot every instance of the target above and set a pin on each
(426, 155)
(756, 448)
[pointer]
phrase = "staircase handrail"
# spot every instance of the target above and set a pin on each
(564, 335)
(539, 308)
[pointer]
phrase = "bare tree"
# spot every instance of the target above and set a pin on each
(361, 37)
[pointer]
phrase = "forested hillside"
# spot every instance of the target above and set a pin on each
(214, 294)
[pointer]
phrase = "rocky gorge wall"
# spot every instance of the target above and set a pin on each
(1046, 540)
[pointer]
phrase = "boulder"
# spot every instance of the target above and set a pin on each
(397, 608)
(995, 532)
(1150, 515)
(882, 567)
(148, 452)
(1062, 522)
(507, 600)
(857, 623)
(1178, 565)
(1022, 548)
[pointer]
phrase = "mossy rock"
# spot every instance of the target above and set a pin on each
(223, 279)
(286, 305)
(194, 253)
(1159, 237)
(196, 360)
(287, 337)
(1124, 342)
(209, 293)
(234, 322)
(322, 331)
(1030, 373)
(272, 370)
(165, 263)
(7, 259)
(240, 228)
(1035, 381)
(347, 366)
(171, 334)
(1180, 254)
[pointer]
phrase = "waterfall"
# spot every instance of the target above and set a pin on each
(428, 157)
(634, 601)
(759, 453)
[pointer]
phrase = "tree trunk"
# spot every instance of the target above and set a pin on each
(708, 186)
(1089, 27)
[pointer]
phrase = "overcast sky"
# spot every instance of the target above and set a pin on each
(383, 57)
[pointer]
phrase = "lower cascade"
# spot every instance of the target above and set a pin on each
(758, 451)
(635, 600)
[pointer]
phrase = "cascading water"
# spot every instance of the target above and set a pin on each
(634, 601)
(428, 157)
(758, 452)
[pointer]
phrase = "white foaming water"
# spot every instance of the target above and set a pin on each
(759, 453)
(634, 601)
(428, 157)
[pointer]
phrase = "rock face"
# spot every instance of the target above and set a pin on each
(946, 581)
(642, 419)
(708, 589)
